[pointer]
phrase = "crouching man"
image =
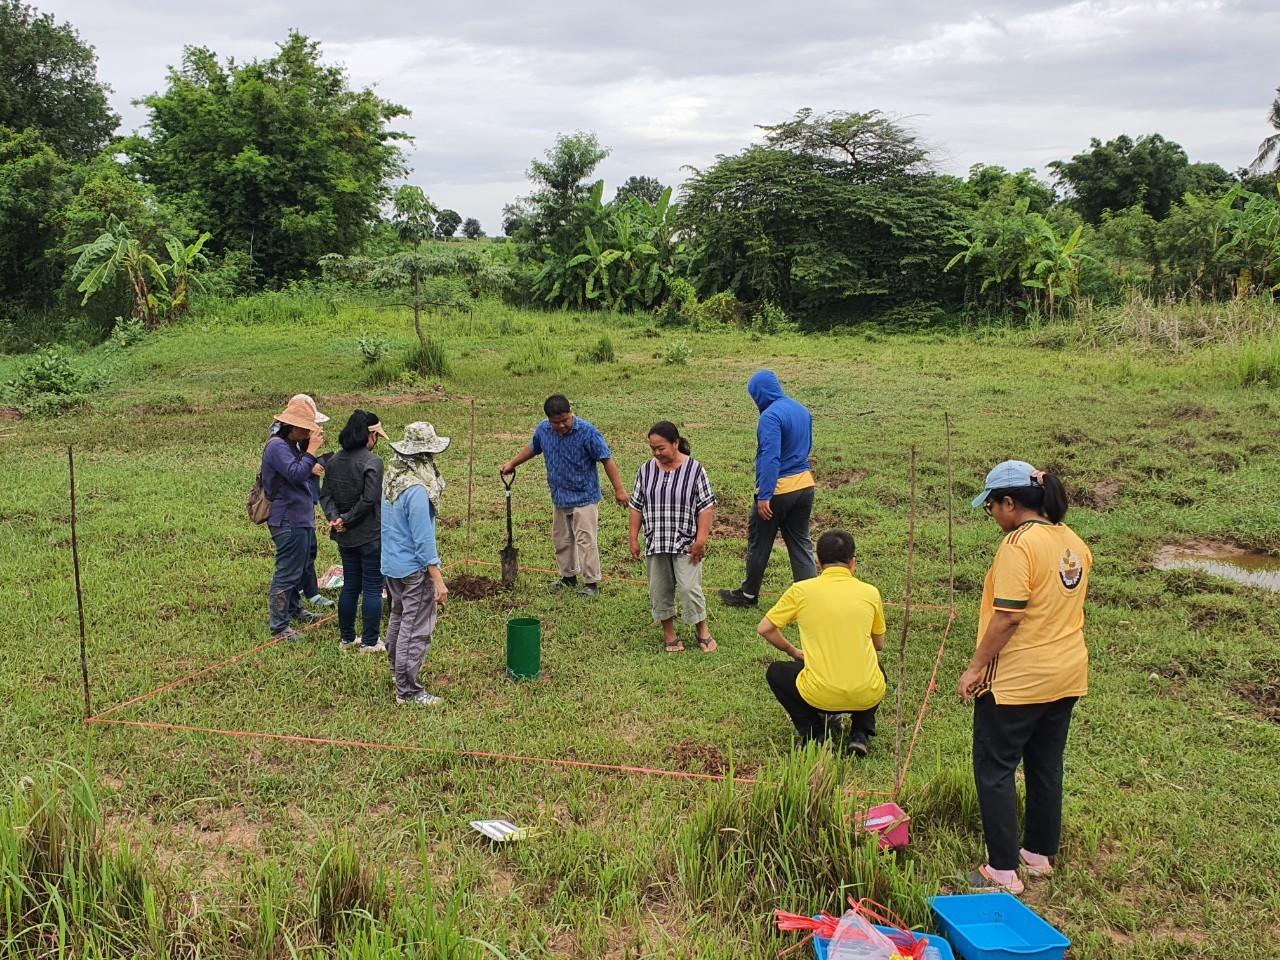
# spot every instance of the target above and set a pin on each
(836, 670)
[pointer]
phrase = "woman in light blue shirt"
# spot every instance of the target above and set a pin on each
(411, 490)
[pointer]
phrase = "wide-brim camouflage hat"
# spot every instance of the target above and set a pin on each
(420, 438)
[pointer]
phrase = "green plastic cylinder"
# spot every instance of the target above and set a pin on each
(524, 648)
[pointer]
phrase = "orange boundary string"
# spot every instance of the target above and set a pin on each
(209, 669)
(444, 751)
(104, 717)
(645, 583)
(924, 704)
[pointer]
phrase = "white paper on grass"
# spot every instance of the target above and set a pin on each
(499, 831)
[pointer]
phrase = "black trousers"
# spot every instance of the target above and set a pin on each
(791, 512)
(811, 723)
(1034, 735)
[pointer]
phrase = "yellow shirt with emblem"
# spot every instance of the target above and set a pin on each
(1042, 571)
(837, 614)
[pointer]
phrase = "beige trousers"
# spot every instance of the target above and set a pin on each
(575, 531)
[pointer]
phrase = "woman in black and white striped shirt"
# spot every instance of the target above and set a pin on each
(673, 502)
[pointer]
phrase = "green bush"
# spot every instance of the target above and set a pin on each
(128, 331)
(373, 347)
(428, 360)
(677, 353)
(50, 382)
(680, 307)
(721, 309)
(602, 352)
(535, 354)
(771, 318)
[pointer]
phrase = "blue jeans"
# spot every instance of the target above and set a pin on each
(361, 572)
(294, 546)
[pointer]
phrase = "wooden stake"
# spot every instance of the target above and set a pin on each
(906, 619)
(471, 473)
(75, 563)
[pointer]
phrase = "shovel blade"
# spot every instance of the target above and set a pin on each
(510, 557)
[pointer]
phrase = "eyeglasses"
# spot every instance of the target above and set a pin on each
(988, 506)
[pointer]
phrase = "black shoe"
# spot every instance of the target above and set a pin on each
(589, 590)
(855, 744)
(562, 583)
(308, 616)
(736, 598)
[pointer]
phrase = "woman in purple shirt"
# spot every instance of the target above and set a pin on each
(287, 464)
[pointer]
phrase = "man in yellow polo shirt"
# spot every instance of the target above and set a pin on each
(836, 669)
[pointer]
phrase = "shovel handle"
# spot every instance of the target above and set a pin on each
(507, 480)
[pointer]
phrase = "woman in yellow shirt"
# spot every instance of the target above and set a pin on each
(1030, 668)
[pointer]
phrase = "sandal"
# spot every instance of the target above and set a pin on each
(673, 646)
(1034, 869)
(708, 644)
(982, 881)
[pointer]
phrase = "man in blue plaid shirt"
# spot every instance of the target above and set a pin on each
(571, 448)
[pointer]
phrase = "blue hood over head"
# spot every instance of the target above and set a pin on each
(764, 388)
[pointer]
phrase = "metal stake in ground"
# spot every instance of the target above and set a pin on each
(906, 619)
(509, 555)
(75, 564)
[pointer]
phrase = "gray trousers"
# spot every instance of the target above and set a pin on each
(413, 618)
(672, 573)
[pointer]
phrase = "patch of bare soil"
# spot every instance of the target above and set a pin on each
(437, 392)
(840, 478)
(1265, 697)
(467, 586)
(703, 758)
(1191, 411)
(1101, 496)
(10, 414)
(729, 525)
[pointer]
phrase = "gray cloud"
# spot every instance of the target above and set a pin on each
(667, 84)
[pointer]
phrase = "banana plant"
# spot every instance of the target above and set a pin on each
(182, 272)
(114, 250)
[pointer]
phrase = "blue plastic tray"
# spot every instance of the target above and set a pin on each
(996, 926)
(943, 948)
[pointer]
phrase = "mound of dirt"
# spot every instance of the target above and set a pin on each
(1265, 698)
(466, 586)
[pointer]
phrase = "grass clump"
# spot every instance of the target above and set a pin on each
(536, 354)
(428, 360)
(601, 352)
(790, 842)
(1258, 363)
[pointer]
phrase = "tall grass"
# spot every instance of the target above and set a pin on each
(66, 892)
(535, 354)
(791, 842)
(1171, 326)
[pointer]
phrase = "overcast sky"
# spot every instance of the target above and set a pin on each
(668, 84)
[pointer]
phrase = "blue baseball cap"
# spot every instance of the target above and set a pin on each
(1011, 473)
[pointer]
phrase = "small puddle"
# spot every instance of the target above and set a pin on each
(1224, 560)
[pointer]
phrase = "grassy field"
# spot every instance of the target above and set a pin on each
(179, 844)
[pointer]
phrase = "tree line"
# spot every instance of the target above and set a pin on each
(254, 175)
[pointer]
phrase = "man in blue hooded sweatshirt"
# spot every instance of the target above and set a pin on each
(784, 488)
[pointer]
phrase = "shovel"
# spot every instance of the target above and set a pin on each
(509, 555)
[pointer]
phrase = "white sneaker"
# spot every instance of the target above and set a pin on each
(349, 644)
(423, 699)
(378, 647)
